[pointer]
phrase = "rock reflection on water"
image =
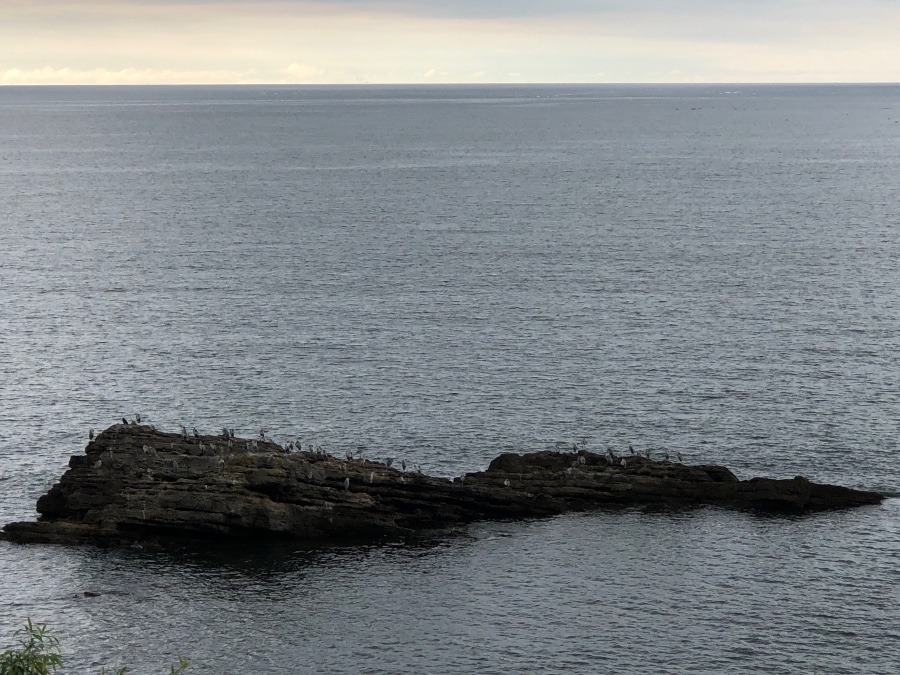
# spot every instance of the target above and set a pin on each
(689, 591)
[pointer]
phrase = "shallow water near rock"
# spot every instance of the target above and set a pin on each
(440, 275)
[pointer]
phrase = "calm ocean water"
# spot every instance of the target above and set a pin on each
(442, 274)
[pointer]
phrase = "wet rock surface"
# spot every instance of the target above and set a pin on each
(137, 484)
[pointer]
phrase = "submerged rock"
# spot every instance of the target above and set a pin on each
(136, 484)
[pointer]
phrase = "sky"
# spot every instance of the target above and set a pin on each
(446, 41)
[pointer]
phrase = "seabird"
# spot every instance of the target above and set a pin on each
(124, 421)
(221, 464)
(630, 449)
(666, 454)
(371, 477)
(403, 464)
(506, 482)
(137, 417)
(623, 462)
(196, 435)
(389, 461)
(679, 456)
(346, 483)
(569, 472)
(91, 435)
(98, 463)
(582, 459)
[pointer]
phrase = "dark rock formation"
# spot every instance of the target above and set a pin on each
(137, 484)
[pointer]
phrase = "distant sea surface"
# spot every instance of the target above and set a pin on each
(442, 274)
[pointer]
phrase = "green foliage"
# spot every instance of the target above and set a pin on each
(39, 655)
(183, 664)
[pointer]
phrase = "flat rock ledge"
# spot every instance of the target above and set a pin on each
(135, 484)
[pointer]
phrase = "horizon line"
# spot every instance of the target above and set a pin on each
(447, 84)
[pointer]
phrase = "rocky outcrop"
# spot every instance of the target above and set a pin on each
(135, 483)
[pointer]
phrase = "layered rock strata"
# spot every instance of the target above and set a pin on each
(137, 484)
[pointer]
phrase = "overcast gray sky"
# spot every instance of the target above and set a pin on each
(400, 41)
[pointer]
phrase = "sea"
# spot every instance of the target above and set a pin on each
(441, 274)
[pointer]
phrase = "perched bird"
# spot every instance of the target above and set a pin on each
(666, 455)
(678, 454)
(569, 472)
(403, 464)
(371, 477)
(124, 421)
(631, 450)
(91, 435)
(221, 464)
(196, 435)
(506, 482)
(98, 463)
(623, 462)
(346, 483)
(137, 417)
(389, 461)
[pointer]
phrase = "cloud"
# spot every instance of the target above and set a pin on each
(402, 41)
(50, 75)
(297, 72)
